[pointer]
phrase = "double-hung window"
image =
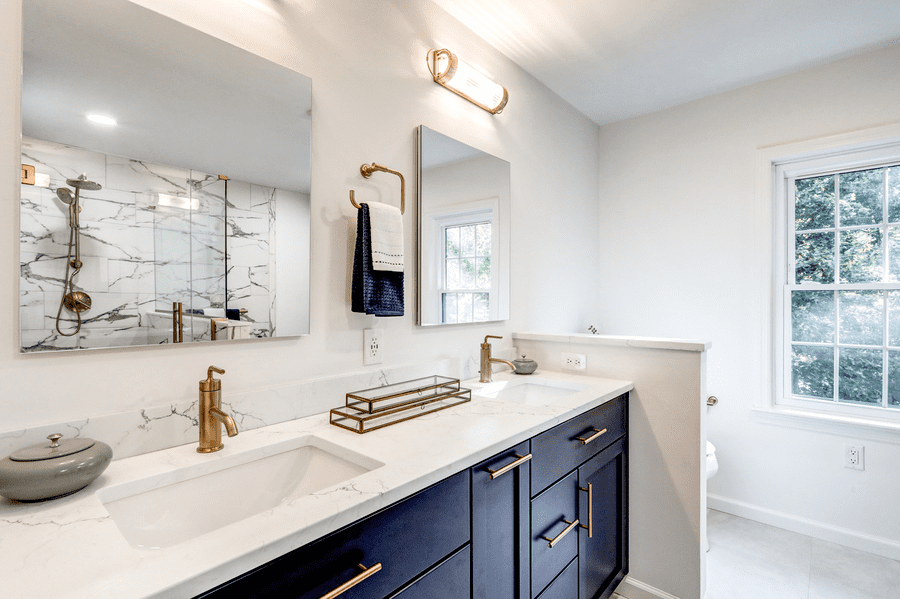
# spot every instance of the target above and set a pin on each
(840, 298)
(460, 275)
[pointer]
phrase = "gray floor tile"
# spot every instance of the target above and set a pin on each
(749, 560)
(839, 572)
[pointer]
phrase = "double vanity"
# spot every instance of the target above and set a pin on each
(520, 493)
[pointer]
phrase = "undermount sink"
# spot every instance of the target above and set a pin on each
(173, 507)
(531, 392)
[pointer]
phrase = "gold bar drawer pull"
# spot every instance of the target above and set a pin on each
(366, 572)
(590, 526)
(558, 538)
(597, 433)
(500, 471)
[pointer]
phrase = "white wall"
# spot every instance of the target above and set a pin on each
(680, 257)
(371, 89)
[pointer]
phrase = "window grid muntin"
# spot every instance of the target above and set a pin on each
(459, 291)
(837, 286)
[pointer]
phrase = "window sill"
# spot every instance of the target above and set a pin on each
(841, 424)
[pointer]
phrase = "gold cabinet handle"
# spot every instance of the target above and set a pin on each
(499, 472)
(558, 538)
(366, 572)
(597, 433)
(590, 526)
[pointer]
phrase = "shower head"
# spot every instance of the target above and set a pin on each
(64, 195)
(82, 183)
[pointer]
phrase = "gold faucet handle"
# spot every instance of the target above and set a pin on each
(212, 384)
(486, 337)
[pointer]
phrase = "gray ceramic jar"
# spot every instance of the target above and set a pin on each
(524, 365)
(47, 471)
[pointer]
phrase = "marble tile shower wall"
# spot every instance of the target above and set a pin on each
(117, 238)
(173, 424)
(140, 257)
(250, 233)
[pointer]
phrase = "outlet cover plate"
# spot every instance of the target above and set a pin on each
(855, 457)
(372, 346)
(574, 361)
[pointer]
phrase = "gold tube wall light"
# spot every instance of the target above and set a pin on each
(463, 80)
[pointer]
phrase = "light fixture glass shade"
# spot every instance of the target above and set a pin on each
(463, 80)
(180, 202)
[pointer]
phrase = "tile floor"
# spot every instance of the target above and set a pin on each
(749, 560)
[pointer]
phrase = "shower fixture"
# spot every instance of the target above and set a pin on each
(74, 301)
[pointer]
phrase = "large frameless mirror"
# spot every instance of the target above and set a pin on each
(166, 180)
(463, 232)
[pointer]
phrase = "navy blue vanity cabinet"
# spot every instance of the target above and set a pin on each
(581, 462)
(483, 533)
(603, 547)
(500, 494)
(395, 547)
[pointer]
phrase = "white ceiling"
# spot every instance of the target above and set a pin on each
(615, 59)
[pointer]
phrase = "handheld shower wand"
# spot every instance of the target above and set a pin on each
(74, 301)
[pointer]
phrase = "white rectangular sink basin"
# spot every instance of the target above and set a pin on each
(532, 391)
(170, 508)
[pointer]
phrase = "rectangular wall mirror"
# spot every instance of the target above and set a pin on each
(463, 232)
(185, 220)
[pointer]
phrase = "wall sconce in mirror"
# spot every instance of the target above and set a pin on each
(450, 72)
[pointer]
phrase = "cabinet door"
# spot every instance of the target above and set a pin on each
(603, 550)
(500, 561)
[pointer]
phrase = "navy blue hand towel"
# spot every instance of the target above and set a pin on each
(378, 292)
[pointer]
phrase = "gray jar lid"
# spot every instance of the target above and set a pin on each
(56, 449)
(523, 360)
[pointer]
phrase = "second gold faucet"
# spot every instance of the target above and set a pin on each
(211, 415)
(486, 371)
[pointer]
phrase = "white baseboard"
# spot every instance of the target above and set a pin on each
(630, 588)
(819, 530)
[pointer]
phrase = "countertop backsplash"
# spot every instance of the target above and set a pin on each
(163, 426)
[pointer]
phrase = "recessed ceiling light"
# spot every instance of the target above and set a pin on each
(103, 120)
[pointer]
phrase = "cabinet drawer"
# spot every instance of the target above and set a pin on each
(406, 539)
(448, 580)
(559, 450)
(566, 584)
(552, 512)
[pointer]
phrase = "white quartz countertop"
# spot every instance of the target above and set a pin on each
(70, 548)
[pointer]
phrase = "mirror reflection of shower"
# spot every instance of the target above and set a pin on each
(74, 301)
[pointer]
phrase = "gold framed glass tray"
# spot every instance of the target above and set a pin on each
(352, 419)
(407, 393)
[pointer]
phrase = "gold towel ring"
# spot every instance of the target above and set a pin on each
(367, 171)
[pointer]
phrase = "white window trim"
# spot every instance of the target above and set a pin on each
(434, 223)
(847, 150)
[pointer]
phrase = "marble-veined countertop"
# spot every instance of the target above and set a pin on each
(70, 548)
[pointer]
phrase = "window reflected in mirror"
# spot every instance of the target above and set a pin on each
(464, 232)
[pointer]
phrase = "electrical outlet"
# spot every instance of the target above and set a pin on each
(574, 361)
(372, 346)
(855, 457)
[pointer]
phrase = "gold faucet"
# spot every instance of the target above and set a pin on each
(211, 415)
(486, 360)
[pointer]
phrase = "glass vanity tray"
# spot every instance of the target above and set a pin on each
(407, 393)
(352, 419)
